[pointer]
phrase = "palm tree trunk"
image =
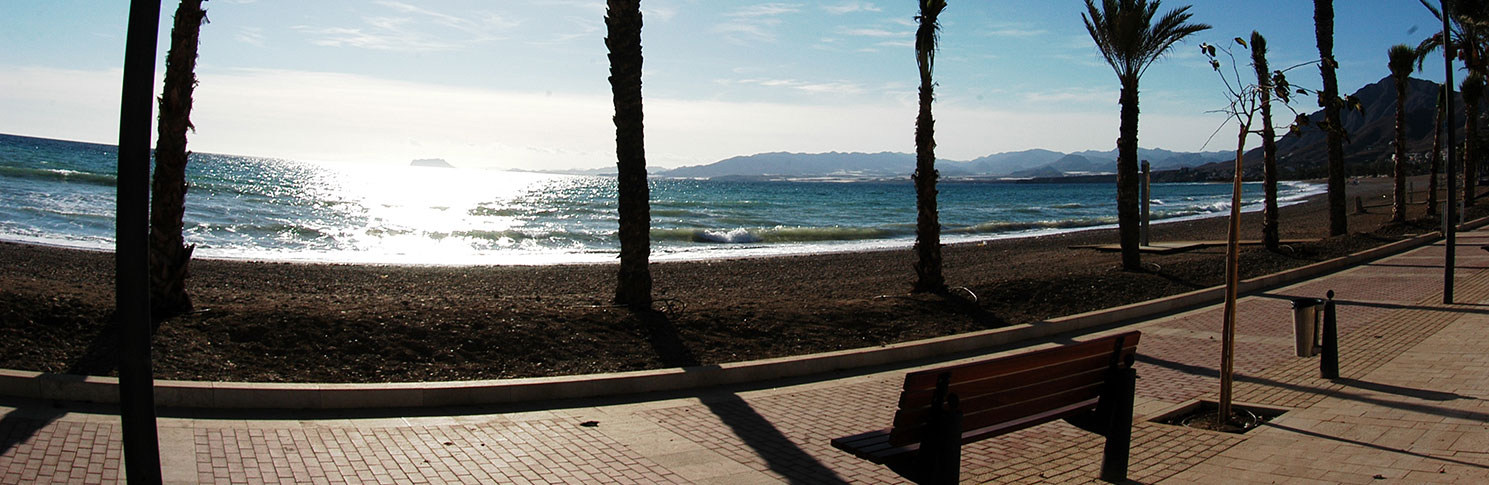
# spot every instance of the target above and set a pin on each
(1270, 236)
(1323, 23)
(623, 24)
(1436, 169)
(1127, 179)
(169, 255)
(929, 278)
(1398, 205)
(928, 225)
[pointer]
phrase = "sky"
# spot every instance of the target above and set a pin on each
(523, 84)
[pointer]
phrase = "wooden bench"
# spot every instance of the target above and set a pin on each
(1089, 384)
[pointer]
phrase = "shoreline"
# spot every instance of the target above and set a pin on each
(1316, 189)
(299, 322)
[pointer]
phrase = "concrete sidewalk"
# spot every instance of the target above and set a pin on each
(1412, 404)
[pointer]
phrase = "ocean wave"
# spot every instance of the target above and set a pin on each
(677, 213)
(59, 174)
(484, 211)
(773, 234)
(1001, 227)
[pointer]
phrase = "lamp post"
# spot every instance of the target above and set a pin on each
(1450, 216)
(131, 246)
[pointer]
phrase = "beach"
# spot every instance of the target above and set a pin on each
(306, 322)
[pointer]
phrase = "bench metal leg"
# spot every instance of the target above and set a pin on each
(1119, 429)
(940, 457)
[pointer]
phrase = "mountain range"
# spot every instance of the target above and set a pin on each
(1021, 164)
(1367, 151)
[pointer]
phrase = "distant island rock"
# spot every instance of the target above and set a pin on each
(432, 162)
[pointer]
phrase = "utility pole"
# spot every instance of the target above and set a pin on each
(1450, 216)
(131, 246)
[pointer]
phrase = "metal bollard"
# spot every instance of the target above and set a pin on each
(1328, 363)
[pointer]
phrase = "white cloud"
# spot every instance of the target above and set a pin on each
(253, 36)
(1079, 96)
(342, 117)
(832, 87)
(1015, 30)
(851, 7)
(748, 32)
(872, 32)
(413, 29)
(764, 10)
(754, 23)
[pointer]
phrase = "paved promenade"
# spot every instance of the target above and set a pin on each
(1411, 406)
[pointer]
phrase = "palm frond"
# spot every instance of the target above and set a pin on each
(1129, 38)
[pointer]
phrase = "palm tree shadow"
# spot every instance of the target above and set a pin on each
(781, 455)
(968, 306)
(24, 422)
(663, 336)
(1193, 285)
(101, 358)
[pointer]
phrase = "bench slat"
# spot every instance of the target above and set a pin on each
(1004, 383)
(872, 446)
(991, 394)
(1040, 407)
(1006, 427)
(926, 379)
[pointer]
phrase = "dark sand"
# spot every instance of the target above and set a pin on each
(376, 323)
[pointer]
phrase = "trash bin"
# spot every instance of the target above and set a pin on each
(1305, 325)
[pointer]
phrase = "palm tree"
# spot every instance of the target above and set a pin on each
(928, 226)
(1269, 141)
(169, 255)
(1323, 29)
(1401, 58)
(1131, 40)
(623, 38)
(1473, 92)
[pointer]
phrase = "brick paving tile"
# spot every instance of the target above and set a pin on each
(39, 451)
(1412, 404)
(486, 453)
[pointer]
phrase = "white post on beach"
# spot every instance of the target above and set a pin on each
(1147, 194)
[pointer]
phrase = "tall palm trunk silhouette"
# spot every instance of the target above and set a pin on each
(169, 254)
(928, 225)
(623, 38)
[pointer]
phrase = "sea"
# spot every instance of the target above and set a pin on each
(62, 193)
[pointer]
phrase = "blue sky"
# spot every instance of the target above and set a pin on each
(522, 84)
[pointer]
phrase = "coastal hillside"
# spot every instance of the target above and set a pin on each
(1369, 147)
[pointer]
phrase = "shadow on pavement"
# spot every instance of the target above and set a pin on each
(1391, 306)
(1340, 393)
(24, 422)
(1423, 394)
(1316, 434)
(780, 454)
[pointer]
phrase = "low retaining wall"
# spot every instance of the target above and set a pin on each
(198, 394)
